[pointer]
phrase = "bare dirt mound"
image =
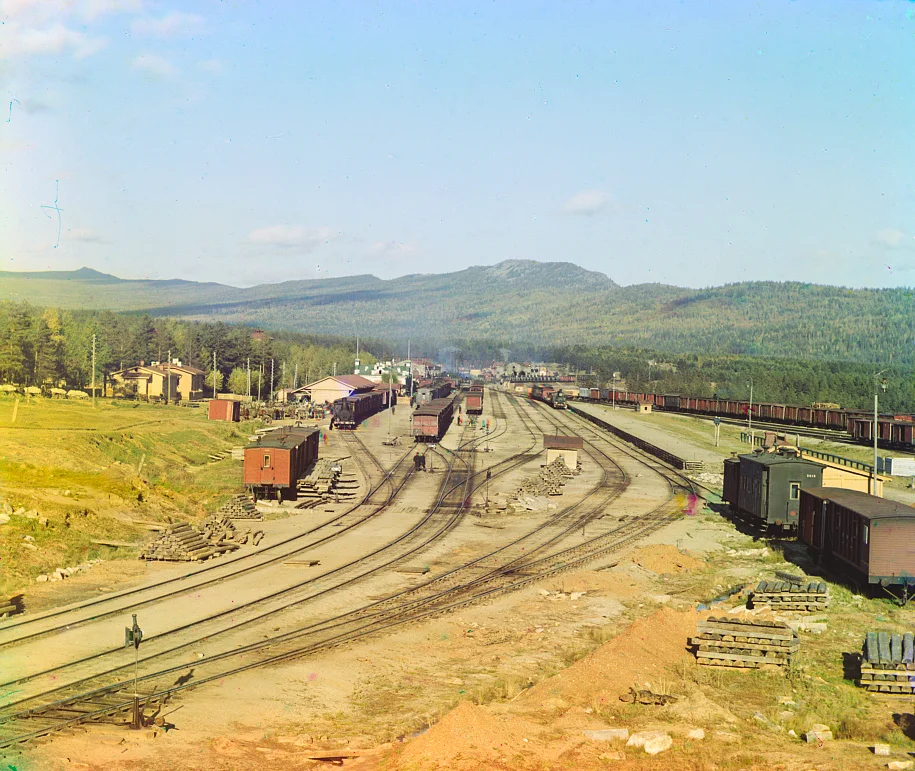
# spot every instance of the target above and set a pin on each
(471, 737)
(639, 654)
(664, 558)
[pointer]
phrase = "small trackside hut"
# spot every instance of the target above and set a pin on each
(565, 447)
(866, 539)
(277, 460)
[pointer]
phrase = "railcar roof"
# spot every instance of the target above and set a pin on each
(283, 439)
(865, 504)
(774, 459)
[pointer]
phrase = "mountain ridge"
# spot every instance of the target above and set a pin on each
(542, 303)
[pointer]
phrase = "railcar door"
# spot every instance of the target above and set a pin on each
(268, 472)
(793, 503)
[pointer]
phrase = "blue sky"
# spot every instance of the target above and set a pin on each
(679, 142)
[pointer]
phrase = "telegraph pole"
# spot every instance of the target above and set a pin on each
(214, 374)
(93, 370)
(295, 378)
(249, 377)
(168, 377)
(271, 380)
(390, 395)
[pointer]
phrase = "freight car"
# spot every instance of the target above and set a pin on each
(868, 540)
(276, 461)
(765, 488)
(429, 391)
(473, 403)
(431, 421)
(897, 431)
(350, 411)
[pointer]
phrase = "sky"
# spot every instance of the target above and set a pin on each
(688, 143)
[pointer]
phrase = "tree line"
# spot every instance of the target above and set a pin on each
(53, 347)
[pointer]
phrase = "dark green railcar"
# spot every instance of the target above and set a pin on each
(768, 487)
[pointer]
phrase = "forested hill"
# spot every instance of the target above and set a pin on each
(521, 301)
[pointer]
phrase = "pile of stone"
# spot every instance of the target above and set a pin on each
(888, 663)
(734, 642)
(220, 530)
(548, 482)
(181, 543)
(239, 506)
(326, 482)
(60, 574)
(797, 594)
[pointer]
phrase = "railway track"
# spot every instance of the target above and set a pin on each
(86, 703)
(111, 700)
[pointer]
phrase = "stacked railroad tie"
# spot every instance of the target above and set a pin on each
(179, 543)
(10, 606)
(797, 594)
(239, 506)
(549, 481)
(221, 531)
(734, 642)
(326, 482)
(888, 663)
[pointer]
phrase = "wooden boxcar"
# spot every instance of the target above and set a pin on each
(276, 462)
(431, 421)
(473, 403)
(765, 487)
(866, 539)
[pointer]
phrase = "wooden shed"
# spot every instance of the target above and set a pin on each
(643, 407)
(867, 539)
(224, 409)
(565, 447)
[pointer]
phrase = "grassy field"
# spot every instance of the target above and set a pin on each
(95, 472)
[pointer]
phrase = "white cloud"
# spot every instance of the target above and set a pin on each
(587, 202)
(291, 237)
(213, 66)
(173, 24)
(85, 235)
(20, 40)
(894, 239)
(36, 27)
(155, 66)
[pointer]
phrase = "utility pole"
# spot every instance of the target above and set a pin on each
(93, 370)
(214, 374)
(168, 377)
(335, 369)
(259, 381)
(271, 380)
(750, 415)
(390, 395)
(249, 377)
(876, 428)
(295, 377)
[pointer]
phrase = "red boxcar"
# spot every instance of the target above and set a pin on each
(430, 422)
(277, 460)
(869, 540)
(473, 404)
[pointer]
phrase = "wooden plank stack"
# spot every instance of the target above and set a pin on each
(744, 644)
(888, 663)
(239, 506)
(550, 481)
(180, 543)
(799, 595)
(326, 483)
(10, 606)
(221, 531)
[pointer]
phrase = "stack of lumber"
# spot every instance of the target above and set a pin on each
(180, 543)
(799, 594)
(326, 482)
(888, 663)
(220, 530)
(10, 606)
(745, 644)
(239, 506)
(215, 457)
(550, 481)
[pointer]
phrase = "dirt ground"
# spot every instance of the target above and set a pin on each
(514, 683)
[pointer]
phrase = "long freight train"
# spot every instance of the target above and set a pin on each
(897, 431)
